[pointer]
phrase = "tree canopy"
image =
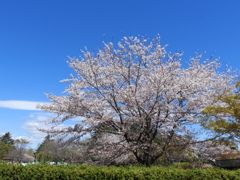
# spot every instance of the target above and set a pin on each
(4, 149)
(224, 119)
(7, 138)
(138, 97)
(6, 144)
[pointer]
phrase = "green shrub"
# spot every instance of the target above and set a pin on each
(74, 172)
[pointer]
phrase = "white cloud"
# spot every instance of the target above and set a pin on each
(22, 105)
(37, 120)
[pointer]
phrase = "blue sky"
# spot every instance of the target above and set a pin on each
(36, 37)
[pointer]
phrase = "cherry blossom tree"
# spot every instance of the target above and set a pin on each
(137, 94)
(210, 151)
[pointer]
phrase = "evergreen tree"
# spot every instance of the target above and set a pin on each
(6, 144)
(41, 154)
(7, 138)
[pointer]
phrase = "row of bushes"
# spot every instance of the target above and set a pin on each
(74, 172)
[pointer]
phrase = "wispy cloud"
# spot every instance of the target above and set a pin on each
(22, 105)
(37, 121)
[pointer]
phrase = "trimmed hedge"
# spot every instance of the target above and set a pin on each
(83, 172)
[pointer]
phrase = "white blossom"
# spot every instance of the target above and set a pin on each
(138, 90)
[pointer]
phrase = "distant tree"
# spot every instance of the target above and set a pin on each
(19, 150)
(212, 150)
(28, 155)
(27, 158)
(7, 138)
(224, 119)
(140, 93)
(4, 149)
(6, 144)
(42, 153)
(14, 149)
(30, 152)
(55, 150)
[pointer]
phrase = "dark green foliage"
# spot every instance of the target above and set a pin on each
(4, 149)
(7, 138)
(6, 144)
(83, 172)
(47, 151)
